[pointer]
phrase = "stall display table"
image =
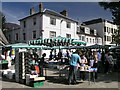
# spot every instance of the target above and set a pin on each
(64, 69)
(91, 70)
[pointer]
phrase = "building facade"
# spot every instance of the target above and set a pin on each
(47, 24)
(105, 29)
(88, 35)
(12, 32)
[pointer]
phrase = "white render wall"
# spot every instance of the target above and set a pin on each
(100, 29)
(30, 28)
(109, 25)
(47, 27)
(99, 39)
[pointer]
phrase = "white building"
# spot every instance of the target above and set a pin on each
(89, 35)
(46, 24)
(105, 29)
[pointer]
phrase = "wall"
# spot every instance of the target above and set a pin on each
(30, 28)
(47, 27)
(12, 34)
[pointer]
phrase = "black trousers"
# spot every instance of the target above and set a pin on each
(93, 75)
(72, 74)
(106, 66)
(82, 75)
(41, 71)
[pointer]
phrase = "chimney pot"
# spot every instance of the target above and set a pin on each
(32, 11)
(40, 7)
(64, 12)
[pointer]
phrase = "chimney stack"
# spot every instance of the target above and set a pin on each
(64, 12)
(32, 11)
(40, 7)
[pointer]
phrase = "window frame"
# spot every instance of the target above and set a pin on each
(68, 35)
(34, 34)
(52, 21)
(68, 24)
(34, 21)
(24, 36)
(52, 36)
(16, 37)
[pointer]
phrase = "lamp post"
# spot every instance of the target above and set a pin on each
(60, 25)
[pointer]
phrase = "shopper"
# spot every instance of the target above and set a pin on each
(83, 63)
(111, 64)
(94, 64)
(99, 61)
(75, 59)
(106, 62)
(42, 63)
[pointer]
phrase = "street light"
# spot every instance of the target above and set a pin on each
(60, 25)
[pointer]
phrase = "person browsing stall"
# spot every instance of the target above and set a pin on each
(83, 63)
(75, 59)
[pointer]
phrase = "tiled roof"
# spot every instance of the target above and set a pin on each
(11, 26)
(94, 21)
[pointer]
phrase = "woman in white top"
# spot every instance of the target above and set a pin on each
(83, 63)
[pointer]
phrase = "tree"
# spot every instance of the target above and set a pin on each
(114, 8)
(3, 20)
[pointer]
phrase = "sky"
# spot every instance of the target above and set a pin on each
(81, 11)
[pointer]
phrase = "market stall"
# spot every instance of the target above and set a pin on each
(23, 59)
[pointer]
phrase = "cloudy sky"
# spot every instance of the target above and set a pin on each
(81, 11)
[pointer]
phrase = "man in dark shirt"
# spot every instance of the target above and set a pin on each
(41, 64)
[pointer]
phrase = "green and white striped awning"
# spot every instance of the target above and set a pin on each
(24, 45)
(57, 41)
